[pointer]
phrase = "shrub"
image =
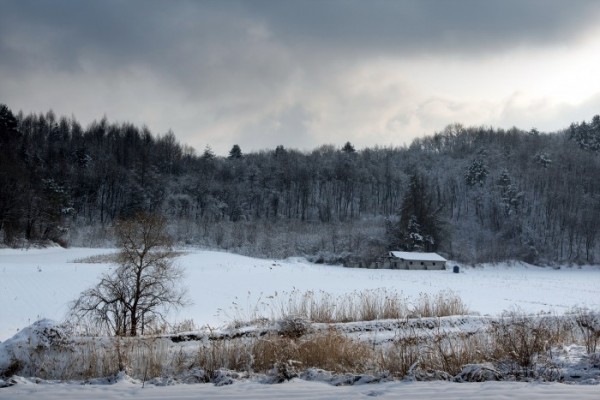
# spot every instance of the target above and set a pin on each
(293, 326)
(588, 322)
(13, 368)
(520, 339)
(449, 353)
(440, 352)
(234, 354)
(401, 356)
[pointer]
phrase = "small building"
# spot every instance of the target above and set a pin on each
(412, 260)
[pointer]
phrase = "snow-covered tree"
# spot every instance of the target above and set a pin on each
(420, 226)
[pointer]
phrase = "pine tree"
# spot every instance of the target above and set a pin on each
(420, 227)
(235, 152)
(348, 148)
(587, 136)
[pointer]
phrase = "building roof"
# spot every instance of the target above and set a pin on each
(411, 256)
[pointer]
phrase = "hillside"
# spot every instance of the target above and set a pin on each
(474, 194)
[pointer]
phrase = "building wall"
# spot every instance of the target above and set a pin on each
(395, 263)
(436, 265)
(417, 265)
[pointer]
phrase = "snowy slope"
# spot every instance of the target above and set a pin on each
(300, 389)
(40, 283)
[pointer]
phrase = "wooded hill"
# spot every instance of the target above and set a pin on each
(471, 193)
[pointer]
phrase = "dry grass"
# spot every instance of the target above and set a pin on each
(401, 356)
(441, 352)
(520, 340)
(450, 353)
(330, 351)
(443, 304)
(94, 358)
(109, 258)
(146, 358)
(323, 307)
(379, 304)
(518, 344)
(235, 354)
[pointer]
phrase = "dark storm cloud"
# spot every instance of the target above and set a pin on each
(206, 50)
(208, 45)
(265, 69)
(426, 25)
(156, 33)
(163, 31)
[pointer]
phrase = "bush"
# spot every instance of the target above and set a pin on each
(478, 373)
(519, 340)
(14, 367)
(447, 353)
(401, 356)
(588, 322)
(293, 326)
(234, 354)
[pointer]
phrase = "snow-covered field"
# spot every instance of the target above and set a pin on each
(40, 283)
(299, 389)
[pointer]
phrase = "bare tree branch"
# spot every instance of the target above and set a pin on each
(145, 285)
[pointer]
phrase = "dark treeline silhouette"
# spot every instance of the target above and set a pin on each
(472, 193)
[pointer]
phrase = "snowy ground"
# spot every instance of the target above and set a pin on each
(40, 283)
(299, 389)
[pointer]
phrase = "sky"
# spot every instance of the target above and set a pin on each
(303, 73)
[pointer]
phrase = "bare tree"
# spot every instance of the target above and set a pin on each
(144, 286)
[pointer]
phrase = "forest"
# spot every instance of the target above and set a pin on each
(472, 194)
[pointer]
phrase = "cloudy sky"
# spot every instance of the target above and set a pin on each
(303, 73)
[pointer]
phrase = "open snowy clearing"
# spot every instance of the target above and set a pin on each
(40, 283)
(299, 389)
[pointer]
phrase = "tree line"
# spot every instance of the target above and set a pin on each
(471, 193)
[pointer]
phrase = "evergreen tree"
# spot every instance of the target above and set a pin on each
(587, 136)
(14, 178)
(420, 225)
(476, 173)
(235, 152)
(348, 148)
(208, 154)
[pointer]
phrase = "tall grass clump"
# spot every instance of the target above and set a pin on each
(401, 356)
(442, 304)
(440, 352)
(522, 341)
(108, 258)
(233, 354)
(328, 350)
(365, 305)
(449, 353)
